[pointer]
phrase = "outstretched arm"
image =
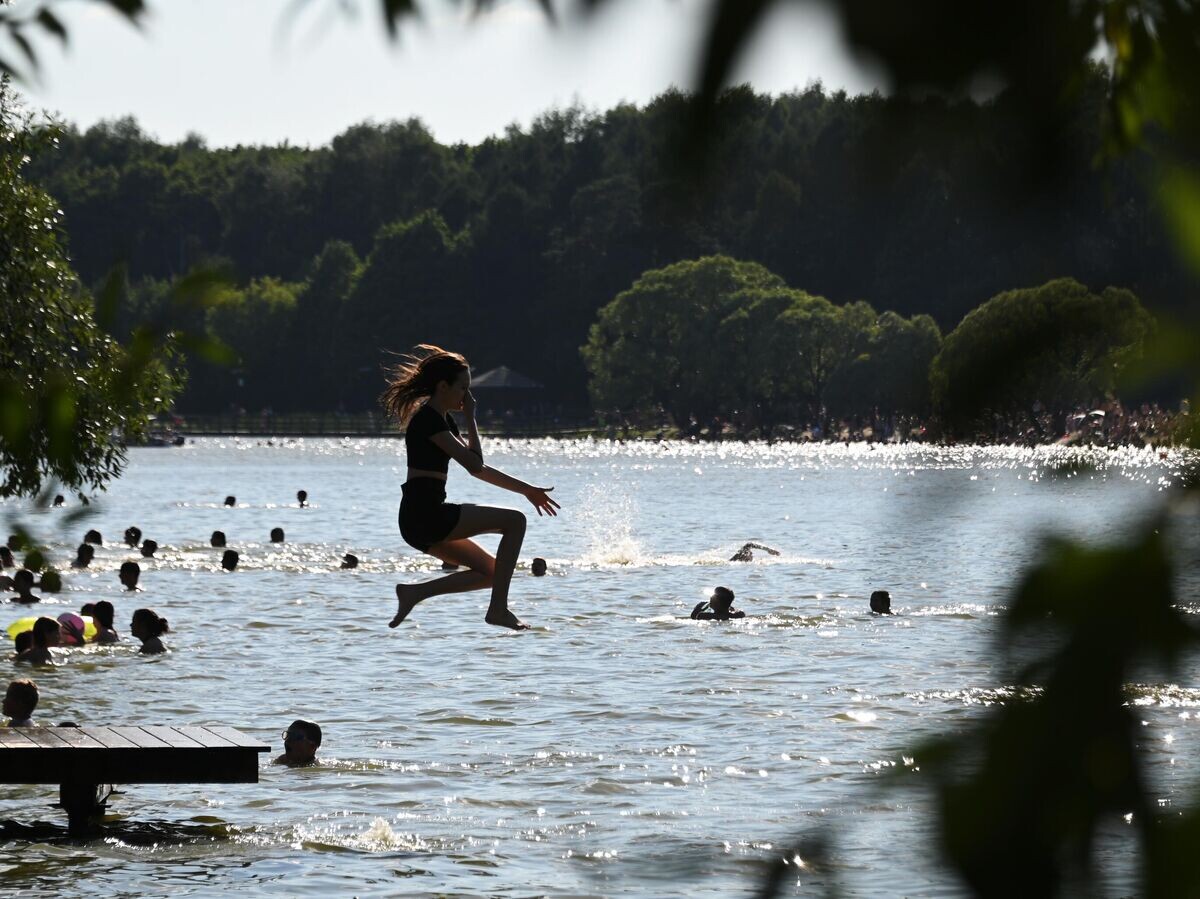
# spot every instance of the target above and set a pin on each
(473, 462)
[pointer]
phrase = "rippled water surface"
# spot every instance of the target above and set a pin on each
(616, 748)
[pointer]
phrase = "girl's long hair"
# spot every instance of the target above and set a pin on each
(416, 376)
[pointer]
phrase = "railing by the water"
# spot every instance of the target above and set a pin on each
(365, 424)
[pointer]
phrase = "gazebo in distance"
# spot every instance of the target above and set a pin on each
(508, 392)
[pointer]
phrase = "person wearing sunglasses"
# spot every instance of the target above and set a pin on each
(300, 742)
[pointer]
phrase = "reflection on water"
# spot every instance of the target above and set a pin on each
(618, 748)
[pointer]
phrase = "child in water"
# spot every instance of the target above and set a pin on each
(19, 702)
(102, 615)
(46, 633)
(719, 607)
(148, 627)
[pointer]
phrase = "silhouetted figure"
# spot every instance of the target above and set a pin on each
(217, 540)
(300, 743)
(50, 582)
(133, 536)
(23, 641)
(349, 561)
(22, 582)
(84, 555)
(130, 572)
(59, 500)
(746, 553)
(6, 557)
(276, 535)
(93, 536)
(103, 614)
(148, 626)
(149, 548)
(231, 500)
(46, 633)
(538, 567)
(20, 700)
(229, 560)
(881, 602)
(16, 542)
(718, 608)
(302, 498)
(88, 608)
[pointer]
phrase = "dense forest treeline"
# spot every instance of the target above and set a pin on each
(508, 249)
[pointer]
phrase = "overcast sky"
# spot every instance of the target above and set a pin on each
(231, 71)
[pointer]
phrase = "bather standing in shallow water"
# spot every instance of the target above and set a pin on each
(422, 391)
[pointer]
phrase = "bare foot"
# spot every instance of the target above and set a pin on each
(405, 595)
(505, 618)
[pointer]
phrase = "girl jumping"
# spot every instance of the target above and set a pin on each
(421, 390)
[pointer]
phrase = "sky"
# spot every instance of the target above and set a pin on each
(243, 72)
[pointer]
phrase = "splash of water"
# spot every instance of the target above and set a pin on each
(607, 517)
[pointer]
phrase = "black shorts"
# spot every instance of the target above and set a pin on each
(425, 516)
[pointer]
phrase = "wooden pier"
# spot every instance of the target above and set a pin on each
(81, 759)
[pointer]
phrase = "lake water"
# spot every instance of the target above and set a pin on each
(616, 748)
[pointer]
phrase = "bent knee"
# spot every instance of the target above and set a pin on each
(514, 520)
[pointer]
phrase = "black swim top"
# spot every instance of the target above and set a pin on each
(423, 453)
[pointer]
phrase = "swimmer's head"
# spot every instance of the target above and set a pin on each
(23, 580)
(23, 640)
(149, 548)
(300, 741)
(231, 500)
(103, 613)
(217, 539)
(133, 536)
(302, 496)
(276, 535)
(229, 560)
(93, 536)
(881, 602)
(46, 632)
(130, 572)
(426, 372)
(721, 599)
(59, 499)
(147, 623)
(84, 555)
(538, 567)
(51, 581)
(349, 561)
(20, 699)
(6, 557)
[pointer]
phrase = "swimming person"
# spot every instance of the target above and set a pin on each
(719, 607)
(229, 560)
(50, 581)
(746, 553)
(217, 540)
(148, 627)
(538, 567)
(421, 392)
(300, 743)
(149, 548)
(133, 536)
(302, 498)
(231, 501)
(129, 574)
(6, 558)
(84, 555)
(23, 641)
(881, 602)
(46, 633)
(20, 699)
(93, 536)
(276, 535)
(102, 615)
(349, 561)
(22, 582)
